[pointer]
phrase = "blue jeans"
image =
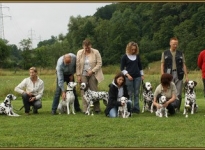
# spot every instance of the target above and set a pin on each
(114, 110)
(133, 87)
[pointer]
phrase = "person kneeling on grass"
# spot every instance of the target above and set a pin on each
(117, 89)
(31, 89)
(168, 89)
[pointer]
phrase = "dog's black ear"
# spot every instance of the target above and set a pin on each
(195, 83)
(9, 96)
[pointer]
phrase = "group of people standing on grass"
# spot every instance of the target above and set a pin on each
(87, 65)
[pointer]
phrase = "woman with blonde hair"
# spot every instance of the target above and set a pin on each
(132, 68)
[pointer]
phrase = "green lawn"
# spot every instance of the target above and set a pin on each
(81, 131)
(141, 130)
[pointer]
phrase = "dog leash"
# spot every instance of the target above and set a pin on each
(142, 83)
(19, 109)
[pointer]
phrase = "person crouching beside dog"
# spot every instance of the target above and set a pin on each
(117, 89)
(168, 89)
(31, 89)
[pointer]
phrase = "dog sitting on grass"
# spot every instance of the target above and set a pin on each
(162, 111)
(6, 107)
(148, 97)
(190, 98)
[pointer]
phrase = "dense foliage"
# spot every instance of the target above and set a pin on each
(151, 25)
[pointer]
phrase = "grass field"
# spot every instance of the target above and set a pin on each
(143, 130)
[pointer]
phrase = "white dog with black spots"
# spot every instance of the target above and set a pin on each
(148, 97)
(6, 107)
(190, 98)
(162, 111)
(93, 96)
(68, 103)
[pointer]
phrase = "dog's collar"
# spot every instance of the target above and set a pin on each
(69, 90)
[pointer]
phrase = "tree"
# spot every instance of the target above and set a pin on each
(4, 51)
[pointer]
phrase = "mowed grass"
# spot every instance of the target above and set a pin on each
(81, 131)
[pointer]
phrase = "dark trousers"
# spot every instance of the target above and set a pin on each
(204, 86)
(171, 107)
(58, 94)
(36, 103)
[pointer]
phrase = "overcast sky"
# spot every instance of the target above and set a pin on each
(39, 21)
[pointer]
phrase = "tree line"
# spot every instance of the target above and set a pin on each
(150, 24)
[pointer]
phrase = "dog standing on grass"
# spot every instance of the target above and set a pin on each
(190, 98)
(6, 107)
(68, 103)
(148, 97)
(93, 96)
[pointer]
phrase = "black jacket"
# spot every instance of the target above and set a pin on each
(113, 95)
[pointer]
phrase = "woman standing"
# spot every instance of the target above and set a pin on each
(132, 68)
(88, 70)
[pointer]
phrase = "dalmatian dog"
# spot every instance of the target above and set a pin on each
(93, 96)
(190, 98)
(68, 103)
(162, 111)
(122, 110)
(6, 107)
(148, 97)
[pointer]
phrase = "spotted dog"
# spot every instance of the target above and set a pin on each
(122, 110)
(6, 107)
(148, 97)
(93, 96)
(162, 111)
(68, 103)
(190, 98)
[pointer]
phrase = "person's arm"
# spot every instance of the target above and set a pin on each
(40, 90)
(78, 73)
(60, 78)
(185, 69)
(99, 61)
(140, 67)
(156, 92)
(162, 64)
(123, 66)
(155, 102)
(113, 92)
(185, 72)
(200, 61)
(20, 88)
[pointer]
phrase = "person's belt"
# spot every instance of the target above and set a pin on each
(174, 70)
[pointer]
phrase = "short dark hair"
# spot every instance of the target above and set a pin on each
(120, 74)
(166, 79)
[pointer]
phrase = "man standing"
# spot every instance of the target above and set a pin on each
(173, 62)
(65, 70)
(31, 89)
